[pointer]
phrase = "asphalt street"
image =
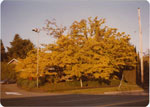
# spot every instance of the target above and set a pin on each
(79, 100)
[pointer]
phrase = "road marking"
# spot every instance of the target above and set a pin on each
(13, 93)
(122, 103)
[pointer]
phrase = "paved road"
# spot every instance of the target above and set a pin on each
(49, 99)
(79, 100)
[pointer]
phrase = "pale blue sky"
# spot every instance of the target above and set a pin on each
(21, 16)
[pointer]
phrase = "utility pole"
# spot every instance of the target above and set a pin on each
(37, 31)
(141, 49)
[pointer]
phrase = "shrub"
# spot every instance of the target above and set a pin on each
(26, 83)
(71, 85)
(61, 86)
(19, 82)
(91, 84)
(8, 72)
(32, 84)
(114, 82)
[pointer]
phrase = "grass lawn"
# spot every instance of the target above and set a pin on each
(105, 89)
(64, 88)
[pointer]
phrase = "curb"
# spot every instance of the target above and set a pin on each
(121, 92)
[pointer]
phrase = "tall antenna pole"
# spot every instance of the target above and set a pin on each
(141, 49)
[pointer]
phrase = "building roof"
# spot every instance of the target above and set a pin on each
(11, 61)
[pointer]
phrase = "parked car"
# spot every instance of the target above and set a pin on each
(3, 82)
(7, 82)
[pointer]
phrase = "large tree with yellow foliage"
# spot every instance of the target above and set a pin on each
(27, 68)
(89, 48)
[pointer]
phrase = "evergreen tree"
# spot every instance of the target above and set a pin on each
(3, 53)
(19, 47)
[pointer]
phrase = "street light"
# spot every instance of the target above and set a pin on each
(37, 31)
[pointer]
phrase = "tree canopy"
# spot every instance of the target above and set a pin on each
(19, 47)
(3, 52)
(89, 49)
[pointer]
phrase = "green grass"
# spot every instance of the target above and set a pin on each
(74, 88)
(124, 87)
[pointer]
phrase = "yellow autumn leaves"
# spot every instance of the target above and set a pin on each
(89, 49)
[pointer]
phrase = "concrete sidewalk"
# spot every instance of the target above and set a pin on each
(132, 92)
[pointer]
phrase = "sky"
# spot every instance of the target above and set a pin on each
(21, 16)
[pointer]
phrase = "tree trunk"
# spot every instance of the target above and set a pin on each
(121, 80)
(81, 83)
